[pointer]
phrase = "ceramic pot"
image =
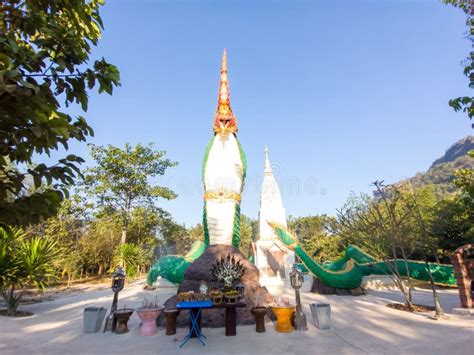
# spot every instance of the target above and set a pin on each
(148, 317)
(123, 315)
(170, 316)
(283, 318)
(259, 314)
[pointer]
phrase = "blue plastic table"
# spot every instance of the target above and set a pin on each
(194, 308)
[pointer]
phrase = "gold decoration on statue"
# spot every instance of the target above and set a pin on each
(225, 121)
(222, 195)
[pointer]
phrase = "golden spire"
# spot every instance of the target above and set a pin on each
(225, 121)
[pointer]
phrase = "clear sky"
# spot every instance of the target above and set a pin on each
(342, 92)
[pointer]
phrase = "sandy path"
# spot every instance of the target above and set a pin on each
(360, 325)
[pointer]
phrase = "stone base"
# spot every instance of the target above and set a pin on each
(200, 270)
(322, 289)
(465, 312)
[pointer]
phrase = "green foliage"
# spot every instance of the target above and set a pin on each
(248, 234)
(452, 227)
(314, 239)
(44, 55)
(24, 262)
(174, 238)
(99, 242)
(132, 258)
(122, 178)
(466, 103)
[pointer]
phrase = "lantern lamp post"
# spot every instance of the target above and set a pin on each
(118, 281)
(297, 280)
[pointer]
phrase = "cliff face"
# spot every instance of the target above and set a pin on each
(457, 150)
(441, 172)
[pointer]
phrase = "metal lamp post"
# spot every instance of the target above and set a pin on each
(118, 281)
(297, 280)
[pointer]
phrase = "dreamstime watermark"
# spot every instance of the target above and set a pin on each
(288, 185)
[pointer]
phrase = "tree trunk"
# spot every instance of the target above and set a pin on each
(438, 308)
(407, 270)
(433, 250)
(12, 301)
(122, 242)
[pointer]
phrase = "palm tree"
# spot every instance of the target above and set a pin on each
(24, 262)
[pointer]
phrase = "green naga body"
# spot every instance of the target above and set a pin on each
(348, 271)
(223, 173)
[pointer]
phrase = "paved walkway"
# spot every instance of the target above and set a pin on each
(361, 325)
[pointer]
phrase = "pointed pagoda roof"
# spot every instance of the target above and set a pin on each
(267, 170)
(224, 120)
(271, 204)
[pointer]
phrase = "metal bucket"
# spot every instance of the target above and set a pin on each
(93, 318)
(321, 313)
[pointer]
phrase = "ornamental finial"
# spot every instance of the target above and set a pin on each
(224, 119)
(268, 167)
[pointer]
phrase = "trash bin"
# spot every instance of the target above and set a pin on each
(93, 318)
(321, 313)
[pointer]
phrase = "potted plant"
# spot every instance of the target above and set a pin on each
(231, 296)
(148, 313)
(283, 311)
(216, 296)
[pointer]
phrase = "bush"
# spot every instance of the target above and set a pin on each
(24, 262)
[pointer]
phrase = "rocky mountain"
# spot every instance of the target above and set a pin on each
(441, 172)
(457, 150)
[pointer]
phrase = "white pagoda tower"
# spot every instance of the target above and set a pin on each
(272, 258)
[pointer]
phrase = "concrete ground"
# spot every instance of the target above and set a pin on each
(360, 325)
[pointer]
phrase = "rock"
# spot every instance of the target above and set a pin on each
(359, 291)
(200, 270)
(322, 289)
(343, 292)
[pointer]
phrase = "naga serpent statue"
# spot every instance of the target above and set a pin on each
(223, 172)
(348, 271)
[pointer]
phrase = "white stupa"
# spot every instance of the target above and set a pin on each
(272, 258)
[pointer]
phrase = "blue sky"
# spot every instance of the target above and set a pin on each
(342, 92)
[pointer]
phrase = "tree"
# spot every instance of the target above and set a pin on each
(67, 228)
(248, 234)
(24, 262)
(466, 103)
(99, 242)
(314, 239)
(131, 257)
(424, 241)
(122, 181)
(175, 238)
(45, 49)
(379, 225)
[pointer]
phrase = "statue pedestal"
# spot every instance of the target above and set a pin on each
(200, 270)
